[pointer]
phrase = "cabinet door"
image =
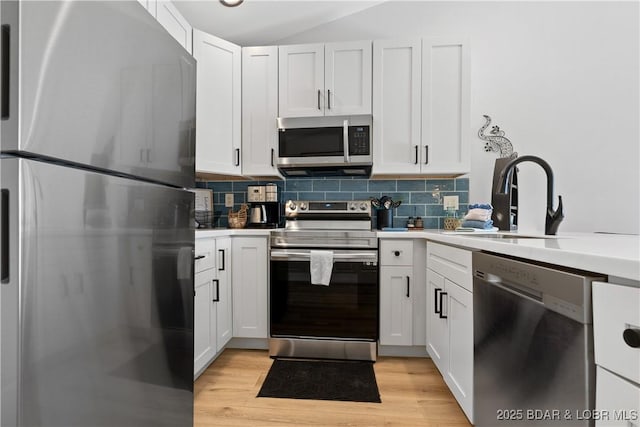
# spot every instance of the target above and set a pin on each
(437, 329)
(259, 110)
(459, 377)
(396, 306)
(445, 106)
(617, 397)
(347, 78)
(396, 106)
(173, 21)
(218, 110)
(204, 321)
(301, 80)
(249, 260)
(224, 319)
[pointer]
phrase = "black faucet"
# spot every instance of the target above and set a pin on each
(553, 217)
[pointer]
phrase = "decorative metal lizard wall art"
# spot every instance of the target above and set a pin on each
(496, 141)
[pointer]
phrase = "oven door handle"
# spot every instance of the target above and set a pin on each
(287, 255)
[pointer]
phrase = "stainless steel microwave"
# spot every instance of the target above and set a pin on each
(325, 146)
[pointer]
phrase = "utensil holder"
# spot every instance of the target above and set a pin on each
(385, 218)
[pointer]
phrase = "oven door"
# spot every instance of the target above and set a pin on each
(345, 309)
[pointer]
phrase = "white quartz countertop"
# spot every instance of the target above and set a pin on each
(610, 254)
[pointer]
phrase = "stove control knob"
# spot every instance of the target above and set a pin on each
(292, 206)
(352, 206)
(363, 206)
(303, 206)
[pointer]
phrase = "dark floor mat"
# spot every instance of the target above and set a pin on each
(321, 380)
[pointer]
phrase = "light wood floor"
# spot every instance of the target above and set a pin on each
(411, 389)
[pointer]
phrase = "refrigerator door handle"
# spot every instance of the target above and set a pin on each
(4, 224)
(6, 69)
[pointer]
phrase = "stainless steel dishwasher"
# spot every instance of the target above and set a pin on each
(533, 344)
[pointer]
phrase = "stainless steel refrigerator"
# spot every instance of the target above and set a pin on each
(97, 138)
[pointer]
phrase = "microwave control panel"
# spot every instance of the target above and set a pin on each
(359, 141)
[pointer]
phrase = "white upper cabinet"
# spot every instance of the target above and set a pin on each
(347, 78)
(445, 106)
(421, 107)
(259, 111)
(301, 79)
(396, 106)
(173, 21)
(318, 80)
(218, 105)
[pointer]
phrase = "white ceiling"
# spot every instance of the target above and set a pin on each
(264, 22)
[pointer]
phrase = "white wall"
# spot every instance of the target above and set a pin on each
(560, 78)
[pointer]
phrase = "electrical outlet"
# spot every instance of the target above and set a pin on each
(450, 203)
(228, 200)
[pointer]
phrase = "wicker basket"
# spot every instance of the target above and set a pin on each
(452, 223)
(238, 219)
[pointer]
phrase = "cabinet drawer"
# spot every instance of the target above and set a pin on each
(617, 398)
(452, 263)
(396, 252)
(205, 248)
(616, 308)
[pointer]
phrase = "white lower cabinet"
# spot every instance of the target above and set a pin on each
(616, 336)
(402, 292)
(249, 263)
(212, 306)
(204, 321)
(450, 319)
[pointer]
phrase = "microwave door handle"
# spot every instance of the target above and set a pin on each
(345, 139)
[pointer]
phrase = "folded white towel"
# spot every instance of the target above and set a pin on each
(184, 262)
(478, 214)
(321, 265)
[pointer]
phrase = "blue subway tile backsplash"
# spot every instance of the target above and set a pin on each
(420, 197)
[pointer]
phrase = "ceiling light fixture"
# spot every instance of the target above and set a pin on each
(231, 3)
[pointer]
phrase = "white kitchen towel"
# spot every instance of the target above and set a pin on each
(478, 214)
(184, 262)
(321, 265)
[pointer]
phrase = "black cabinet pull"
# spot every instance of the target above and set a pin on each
(631, 336)
(319, 100)
(198, 257)
(237, 157)
(4, 223)
(426, 154)
(416, 147)
(328, 99)
(396, 253)
(435, 301)
(217, 298)
(272, 155)
(408, 284)
(222, 252)
(442, 315)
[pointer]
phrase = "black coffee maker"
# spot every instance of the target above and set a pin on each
(264, 208)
